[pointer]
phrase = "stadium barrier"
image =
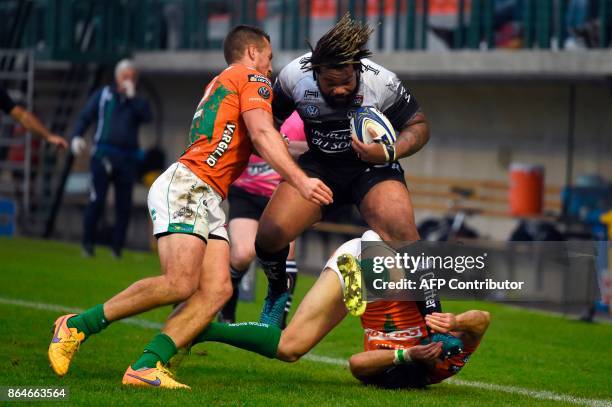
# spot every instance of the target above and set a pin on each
(52, 27)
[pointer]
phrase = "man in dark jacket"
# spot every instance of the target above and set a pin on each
(114, 156)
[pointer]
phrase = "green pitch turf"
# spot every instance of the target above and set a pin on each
(530, 358)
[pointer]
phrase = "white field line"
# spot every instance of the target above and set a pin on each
(536, 394)
(143, 323)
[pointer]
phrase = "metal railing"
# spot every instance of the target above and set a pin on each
(124, 26)
(16, 155)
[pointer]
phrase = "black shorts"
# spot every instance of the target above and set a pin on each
(243, 204)
(350, 183)
(409, 376)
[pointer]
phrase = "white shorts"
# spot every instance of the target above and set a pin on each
(180, 202)
(352, 247)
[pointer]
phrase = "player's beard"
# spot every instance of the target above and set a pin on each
(340, 102)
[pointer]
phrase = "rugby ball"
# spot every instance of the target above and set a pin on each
(368, 117)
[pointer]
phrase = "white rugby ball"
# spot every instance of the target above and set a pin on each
(368, 117)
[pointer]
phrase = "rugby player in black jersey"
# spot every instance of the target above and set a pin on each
(326, 86)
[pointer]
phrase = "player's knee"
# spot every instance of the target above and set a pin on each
(180, 289)
(289, 349)
(271, 236)
(242, 257)
(355, 364)
(288, 355)
(224, 291)
(219, 291)
(403, 230)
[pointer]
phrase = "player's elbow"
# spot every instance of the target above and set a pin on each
(486, 318)
(483, 319)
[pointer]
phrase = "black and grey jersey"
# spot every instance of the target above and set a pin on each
(328, 129)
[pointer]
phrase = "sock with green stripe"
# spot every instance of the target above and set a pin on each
(252, 336)
(89, 322)
(160, 349)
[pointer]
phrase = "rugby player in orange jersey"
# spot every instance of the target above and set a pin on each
(395, 360)
(233, 117)
(399, 350)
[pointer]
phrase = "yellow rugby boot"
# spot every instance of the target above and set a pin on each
(353, 295)
(64, 344)
(157, 376)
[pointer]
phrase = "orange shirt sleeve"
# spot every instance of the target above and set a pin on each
(255, 93)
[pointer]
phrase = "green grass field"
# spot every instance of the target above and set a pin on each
(526, 357)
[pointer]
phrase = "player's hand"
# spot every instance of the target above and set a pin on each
(373, 153)
(425, 353)
(58, 141)
(315, 190)
(442, 322)
(78, 146)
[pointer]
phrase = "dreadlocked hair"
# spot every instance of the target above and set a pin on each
(344, 44)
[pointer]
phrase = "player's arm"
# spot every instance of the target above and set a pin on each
(404, 113)
(473, 323)
(33, 124)
(373, 362)
(271, 147)
(85, 118)
(413, 136)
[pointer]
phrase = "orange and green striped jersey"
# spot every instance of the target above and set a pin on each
(392, 325)
(220, 146)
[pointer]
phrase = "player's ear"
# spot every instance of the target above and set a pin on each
(251, 51)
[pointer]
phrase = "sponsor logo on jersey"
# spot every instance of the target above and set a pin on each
(336, 141)
(370, 68)
(302, 62)
(264, 92)
(184, 212)
(404, 93)
(311, 111)
(222, 145)
(259, 78)
(408, 333)
(397, 87)
(392, 85)
(311, 94)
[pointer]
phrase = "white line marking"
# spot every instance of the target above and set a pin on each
(536, 394)
(143, 323)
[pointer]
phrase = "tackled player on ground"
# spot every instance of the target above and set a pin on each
(402, 349)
